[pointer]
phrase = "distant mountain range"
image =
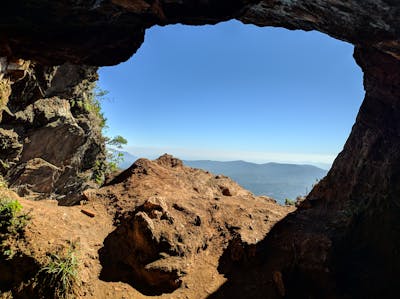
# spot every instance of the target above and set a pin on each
(277, 180)
(128, 159)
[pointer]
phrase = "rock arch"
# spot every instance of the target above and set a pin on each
(344, 239)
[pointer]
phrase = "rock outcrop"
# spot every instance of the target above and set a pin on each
(170, 217)
(51, 137)
(343, 241)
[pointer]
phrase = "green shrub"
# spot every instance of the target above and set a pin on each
(12, 221)
(90, 102)
(113, 158)
(58, 278)
(12, 225)
(290, 202)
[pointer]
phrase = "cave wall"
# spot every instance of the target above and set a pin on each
(50, 137)
(343, 240)
(359, 200)
(106, 32)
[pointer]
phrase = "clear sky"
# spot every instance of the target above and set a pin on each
(234, 91)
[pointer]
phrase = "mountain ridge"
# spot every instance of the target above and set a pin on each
(277, 180)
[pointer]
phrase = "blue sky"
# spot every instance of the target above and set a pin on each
(235, 91)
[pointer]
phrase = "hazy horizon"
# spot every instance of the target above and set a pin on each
(226, 156)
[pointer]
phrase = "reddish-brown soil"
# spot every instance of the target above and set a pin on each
(159, 229)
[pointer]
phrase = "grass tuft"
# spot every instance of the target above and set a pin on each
(59, 277)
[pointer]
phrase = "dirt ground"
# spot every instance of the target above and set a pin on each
(177, 222)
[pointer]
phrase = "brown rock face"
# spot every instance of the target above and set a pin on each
(343, 242)
(50, 144)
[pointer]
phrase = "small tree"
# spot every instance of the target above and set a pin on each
(114, 158)
(103, 168)
(117, 141)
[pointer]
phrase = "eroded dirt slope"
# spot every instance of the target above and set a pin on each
(159, 229)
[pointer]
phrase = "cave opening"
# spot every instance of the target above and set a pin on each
(342, 242)
(235, 92)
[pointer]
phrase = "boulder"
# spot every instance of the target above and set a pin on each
(34, 176)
